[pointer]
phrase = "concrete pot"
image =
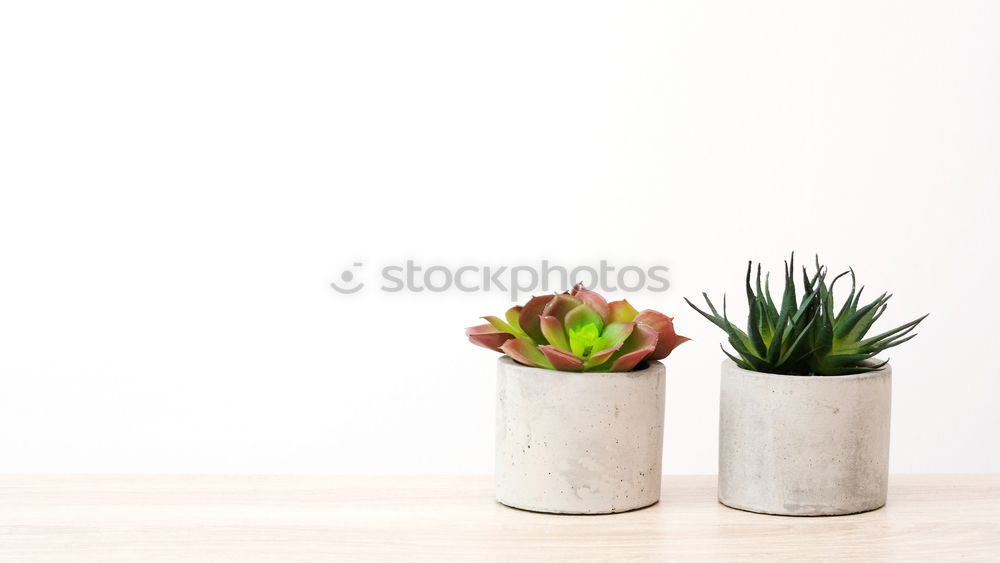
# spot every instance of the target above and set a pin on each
(804, 445)
(578, 443)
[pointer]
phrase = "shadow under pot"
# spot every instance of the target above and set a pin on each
(578, 443)
(804, 445)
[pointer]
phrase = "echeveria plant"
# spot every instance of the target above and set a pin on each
(808, 336)
(578, 331)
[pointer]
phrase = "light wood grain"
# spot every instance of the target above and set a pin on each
(311, 518)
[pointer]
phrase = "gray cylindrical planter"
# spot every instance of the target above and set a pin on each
(578, 443)
(804, 445)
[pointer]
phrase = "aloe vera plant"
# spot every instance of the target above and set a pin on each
(807, 335)
(578, 330)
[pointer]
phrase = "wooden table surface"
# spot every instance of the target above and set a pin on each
(325, 518)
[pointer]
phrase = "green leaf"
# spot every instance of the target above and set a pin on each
(581, 340)
(740, 362)
(846, 308)
(500, 325)
(621, 312)
(800, 347)
(772, 310)
(788, 298)
(554, 332)
(768, 312)
(614, 336)
(732, 331)
(892, 334)
(754, 322)
(513, 318)
(714, 318)
(895, 343)
(528, 318)
(808, 335)
(581, 316)
(526, 353)
(846, 329)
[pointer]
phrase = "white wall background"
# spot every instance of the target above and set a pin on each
(180, 182)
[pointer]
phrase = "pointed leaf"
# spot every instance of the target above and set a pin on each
(627, 362)
(554, 332)
(892, 334)
(582, 315)
(643, 339)
(528, 318)
(513, 317)
(526, 353)
(611, 341)
(487, 337)
(499, 325)
(848, 327)
(561, 359)
(560, 305)
(772, 310)
(846, 308)
(714, 318)
(667, 338)
(740, 362)
(621, 312)
(596, 302)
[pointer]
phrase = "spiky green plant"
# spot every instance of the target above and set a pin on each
(805, 336)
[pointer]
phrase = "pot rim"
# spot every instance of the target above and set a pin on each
(730, 365)
(652, 366)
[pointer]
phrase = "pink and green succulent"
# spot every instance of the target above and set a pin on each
(578, 331)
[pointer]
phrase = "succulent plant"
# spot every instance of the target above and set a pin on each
(807, 336)
(578, 331)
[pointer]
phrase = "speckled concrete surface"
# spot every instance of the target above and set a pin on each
(804, 445)
(578, 443)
